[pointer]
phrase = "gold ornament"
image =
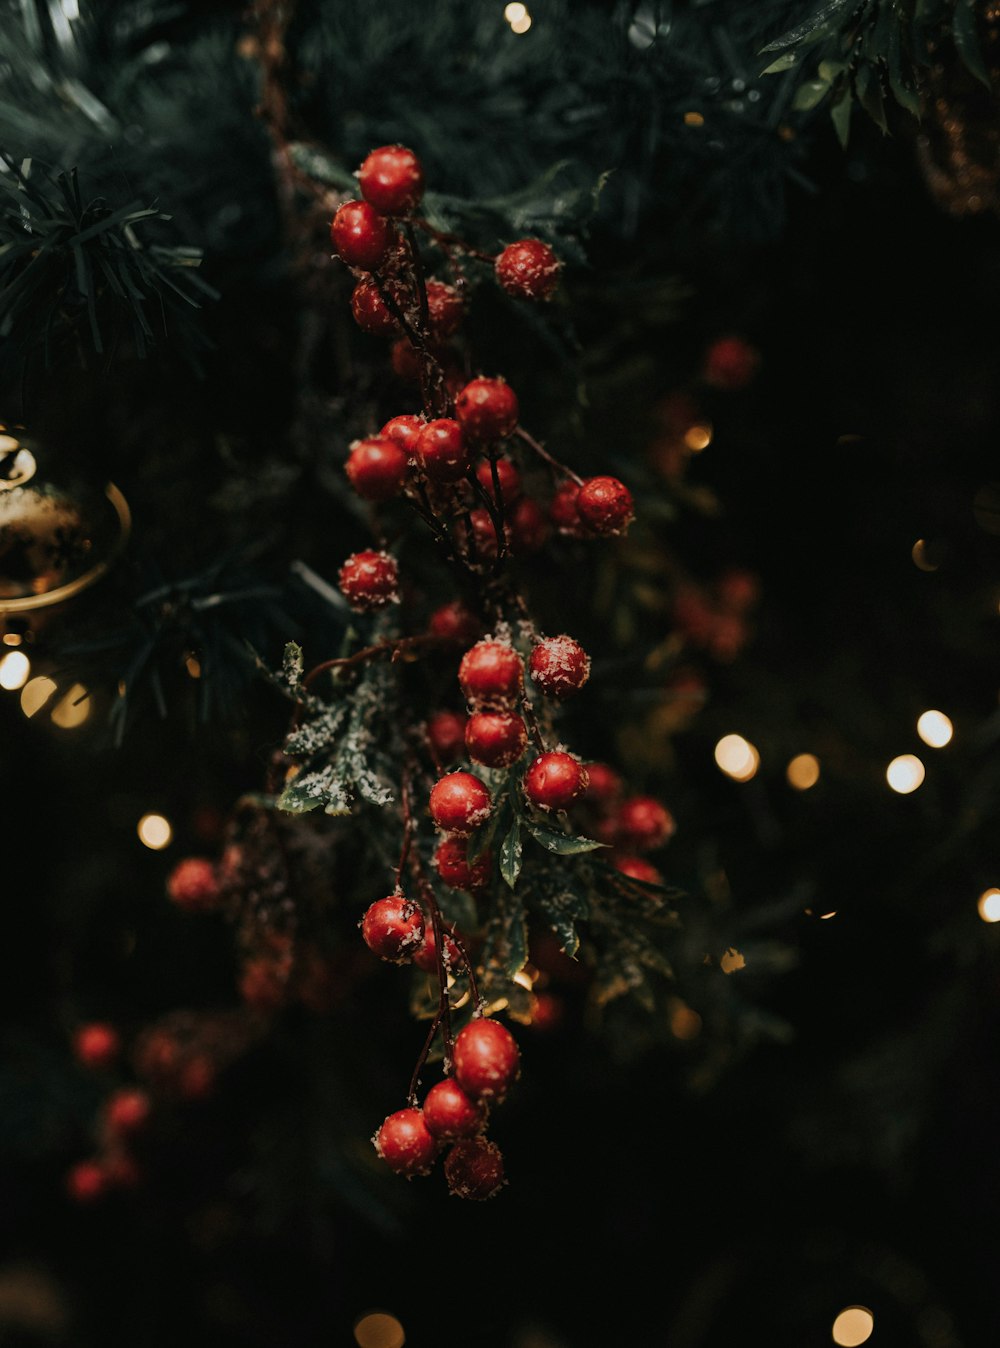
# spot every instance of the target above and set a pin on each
(55, 540)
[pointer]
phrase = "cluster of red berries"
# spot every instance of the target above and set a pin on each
(717, 619)
(631, 825)
(124, 1115)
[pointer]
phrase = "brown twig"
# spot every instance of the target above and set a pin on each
(544, 454)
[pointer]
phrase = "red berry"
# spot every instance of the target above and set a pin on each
(528, 269)
(370, 580)
(730, 363)
(487, 1061)
(446, 734)
(643, 823)
(406, 361)
(693, 614)
(442, 451)
(496, 739)
(377, 468)
(738, 590)
(425, 956)
(193, 885)
(491, 673)
(405, 430)
(547, 1011)
(482, 539)
(97, 1045)
(393, 928)
(455, 868)
(559, 666)
(392, 179)
(404, 1143)
(360, 235)
(87, 1181)
(487, 409)
(445, 309)
(563, 511)
(638, 868)
(450, 1114)
(460, 802)
(474, 1169)
(454, 622)
(507, 476)
(554, 781)
(371, 313)
(197, 1078)
(127, 1112)
(528, 526)
(605, 785)
(264, 983)
(605, 505)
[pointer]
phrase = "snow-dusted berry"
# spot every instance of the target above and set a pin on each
(605, 505)
(360, 235)
(528, 269)
(369, 580)
(376, 468)
(393, 928)
(450, 1114)
(474, 1169)
(404, 1143)
(460, 802)
(554, 781)
(559, 666)
(507, 476)
(425, 955)
(454, 622)
(455, 868)
(445, 309)
(441, 450)
(405, 430)
(392, 179)
(371, 313)
(496, 738)
(487, 1061)
(97, 1045)
(564, 512)
(487, 409)
(194, 885)
(446, 734)
(406, 360)
(491, 674)
(604, 787)
(644, 824)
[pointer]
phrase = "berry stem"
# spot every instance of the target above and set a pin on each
(451, 242)
(544, 454)
(418, 276)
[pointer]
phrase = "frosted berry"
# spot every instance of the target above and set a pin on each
(445, 309)
(605, 505)
(455, 868)
(441, 450)
(393, 927)
(425, 955)
(460, 802)
(87, 1181)
(528, 526)
(604, 787)
(446, 734)
(730, 364)
(369, 580)
(392, 179)
(97, 1045)
(474, 1169)
(643, 823)
(126, 1112)
(487, 409)
(194, 885)
(405, 430)
(491, 673)
(371, 313)
(360, 235)
(454, 622)
(507, 476)
(376, 468)
(528, 269)
(638, 868)
(405, 1144)
(496, 739)
(450, 1114)
(559, 666)
(554, 781)
(487, 1061)
(563, 511)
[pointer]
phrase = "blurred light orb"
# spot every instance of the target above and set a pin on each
(36, 693)
(853, 1326)
(803, 771)
(989, 905)
(698, 437)
(72, 709)
(14, 670)
(521, 25)
(379, 1330)
(515, 11)
(737, 758)
(905, 773)
(935, 729)
(154, 831)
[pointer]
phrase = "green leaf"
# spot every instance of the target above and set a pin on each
(482, 839)
(809, 94)
(840, 115)
(510, 854)
(296, 801)
(817, 25)
(966, 37)
(785, 62)
(563, 844)
(292, 665)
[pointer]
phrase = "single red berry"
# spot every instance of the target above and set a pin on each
(425, 955)
(559, 666)
(638, 868)
(370, 580)
(455, 868)
(481, 539)
(441, 450)
(487, 409)
(554, 781)
(643, 823)
(487, 1061)
(371, 313)
(730, 364)
(158, 1055)
(406, 361)
(507, 476)
(529, 528)
(450, 1114)
(405, 430)
(126, 1112)
(460, 802)
(197, 1078)
(194, 885)
(491, 673)
(547, 1011)
(693, 614)
(87, 1181)
(377, 468)
(404, 1143)
(728, 636)
(454, 622)
(392, 179)
(605, 505)
(474, 1169)
(563, 511)
(738, 590)
(445, 309)
(360, 235)
(264, 983)
(496, 738)
(605, 786)
(393, 928)
(97, 1044)
(446, 734)
(528, 269)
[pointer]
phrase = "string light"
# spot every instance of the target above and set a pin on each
(14, 670)
(803, 771)
(935, 729)
(905, 773)
(685, 1023)
(989, 905)
(514, 12)
(72, 709)
(154, 832)
(853, 1326)
(521, 25)
(35, 694)
(698, 437)
(693, 119)
(926, 556)
(737, 758)
(379, 1330)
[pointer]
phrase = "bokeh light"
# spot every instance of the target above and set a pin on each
(698, 437)
(14, 670)
(35, 694)
(154, 831)
(905, 773)
(72, 709)
(378, 1329)
(803, 771)
(935, 729)
(853, 1326)
(989, 905)
(522, 24)
(737, 757)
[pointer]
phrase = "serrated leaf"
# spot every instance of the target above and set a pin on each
(511, 850)
(563, 844)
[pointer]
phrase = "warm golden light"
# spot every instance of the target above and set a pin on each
(905, 773)
(522, 24)
(737, 757)
(514, 11)
(154, 831)
(14, 670)
(379, 1330)
(698, 438)
(853, 1326)
(803, 771)
(935, 729)
(989, 905)
(72, 709)
(35, 694)
(732, 961)
(693, 119)
(193, 666)
(925, 557)
(685, 1023)
(825, 917)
